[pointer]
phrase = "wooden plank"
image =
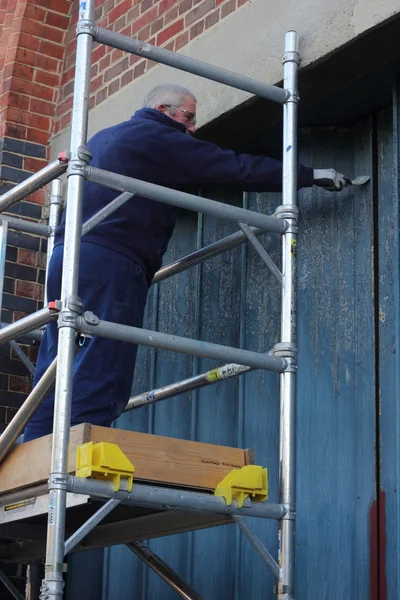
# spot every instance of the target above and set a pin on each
(173, 461)
(29, 464)
(156, 459)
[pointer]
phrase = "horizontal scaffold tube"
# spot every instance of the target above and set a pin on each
(136, 335)
(194, 258)
(188, 201)
(26, 226)
(27, 324)
(190, 65)
(171, 498)
(33, 183)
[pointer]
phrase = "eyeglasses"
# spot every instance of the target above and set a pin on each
(191, 117)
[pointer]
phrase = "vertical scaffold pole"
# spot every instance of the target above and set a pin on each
(287, 347)
(53, 584)
(55, 208)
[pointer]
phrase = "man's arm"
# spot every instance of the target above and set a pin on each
(196, 162)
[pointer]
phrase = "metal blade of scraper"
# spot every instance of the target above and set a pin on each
(360, 180)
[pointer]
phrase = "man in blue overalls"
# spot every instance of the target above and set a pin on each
(120, 256)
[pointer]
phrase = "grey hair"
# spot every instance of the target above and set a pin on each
(167, 93)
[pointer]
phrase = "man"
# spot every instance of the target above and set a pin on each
(120, 255)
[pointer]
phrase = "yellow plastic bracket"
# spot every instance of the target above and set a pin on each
(104, 461)
(251, 480)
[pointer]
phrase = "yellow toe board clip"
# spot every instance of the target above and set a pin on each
(105, 461)
(251, 480)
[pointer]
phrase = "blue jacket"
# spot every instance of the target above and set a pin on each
(153, 147)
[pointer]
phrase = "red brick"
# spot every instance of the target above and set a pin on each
(98, 53)
(101, 96)
(145, 5)
(181, 41)
(127, 31)
(133, 59)
(133, 14)
(116, 70)
(212, 18)
(38, 137)
(15, 131)
(23, 40)
(31, 89)
(113, 87)
(46, 63)
(147, 18)
(56, 127)
(241, 2)
(65, 106)
(29, 289)
(197, 29)
(32, 11)
(171, 15)
(120, 10)
(26, 257)
(227, 8)
(126, 78)
(71, 60)
(18, 100)
(119, 23)
(41, 107)
(94, 71)
(67, 76)
(71, 47)
(116, 55)
(166, 5)
(169, 32)
(157, 25)
(50, 79)
(50, 49)
(139, 69)
(92, 101)
(199, 11)
(65, 120)
(34, 164)
(37, 197)
(20, 384)
(144, 34)
(184, 6)
(33, 353)
(59, 21)
(60, 6)
(96, 83)
(105, 63)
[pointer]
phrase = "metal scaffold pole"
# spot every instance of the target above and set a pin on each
(53, 584)
(287, 346)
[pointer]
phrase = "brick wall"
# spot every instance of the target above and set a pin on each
(32, 47)
(168, 23)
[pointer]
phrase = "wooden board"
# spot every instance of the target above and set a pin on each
(156, 459)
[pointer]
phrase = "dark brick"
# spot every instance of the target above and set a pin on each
(17, 271)
(5, 186)
(12, 160)
(3, 383)
(2, 415)
(25, 148)
(12, 253)
(25, 305)
(6, 317)
(12, 399)
(9, 285)
(15, 175)
(23, 240)
(41, 276)
(12, 367)
(43, 245)
(26, 209)
(9, 414)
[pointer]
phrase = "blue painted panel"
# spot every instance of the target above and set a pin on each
(389, 336)
(336, 401)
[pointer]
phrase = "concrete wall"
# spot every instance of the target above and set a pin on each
(249, 41)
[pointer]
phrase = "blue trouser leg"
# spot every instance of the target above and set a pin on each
(115, 289)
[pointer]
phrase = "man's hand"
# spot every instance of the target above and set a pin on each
(330, 180)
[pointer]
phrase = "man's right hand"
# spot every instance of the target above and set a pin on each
(330, 180)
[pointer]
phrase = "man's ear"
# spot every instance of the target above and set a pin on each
(161, 108)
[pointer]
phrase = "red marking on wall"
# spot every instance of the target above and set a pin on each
(377, 521)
